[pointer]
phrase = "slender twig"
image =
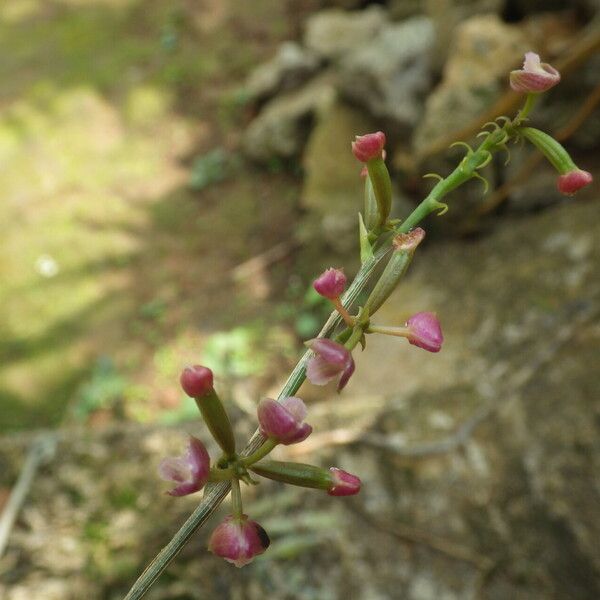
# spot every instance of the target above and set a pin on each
(41, 450)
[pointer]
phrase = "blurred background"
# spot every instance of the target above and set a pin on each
(174, 174)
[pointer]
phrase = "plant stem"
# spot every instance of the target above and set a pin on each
(348, 318)
(397, 331)
(354, 338)
(462, 173)
(530, 101)
(236, 499)
(260, 453)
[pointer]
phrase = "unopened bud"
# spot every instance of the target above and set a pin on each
(343, 483)
(333, 480)
(331, 283)
(196, 381)
(424, 331)
(574, 180)
(369, 146)
(238, 540)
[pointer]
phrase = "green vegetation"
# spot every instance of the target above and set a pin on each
(106, 250)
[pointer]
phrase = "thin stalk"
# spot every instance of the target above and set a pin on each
(397, 331)
(260, 453)
(236, 499)
(348, 318)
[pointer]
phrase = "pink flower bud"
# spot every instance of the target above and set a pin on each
(343, 483)
(238, 540)
(535, 76)
(284, 420)
(330, 284)
(425, 331)
(190, 471)
(331, 360)
(574, 180)
(369, 146)
(196, 381)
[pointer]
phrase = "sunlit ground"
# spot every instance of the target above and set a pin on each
(113, 269)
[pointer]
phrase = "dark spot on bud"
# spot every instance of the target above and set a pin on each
(263, 535)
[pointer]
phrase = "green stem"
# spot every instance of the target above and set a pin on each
(530, 101)
(462, 173)
(348, 318)
(236, 498)
(396, 331)
(354, 338)
(217, 474)
(260, 453)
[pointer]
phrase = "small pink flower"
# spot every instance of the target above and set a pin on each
(284, 420)
(331, 283)
(535, 76)
(425, 331)
(574, 180)
(331, 360)
(369, 146)
(343, 483)
(238, 540)
(190, 471)
(196, 381)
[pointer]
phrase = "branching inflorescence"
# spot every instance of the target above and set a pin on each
(239, 539)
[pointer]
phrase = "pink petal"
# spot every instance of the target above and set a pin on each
(321, 372)
(295, 406)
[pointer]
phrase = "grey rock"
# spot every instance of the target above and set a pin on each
(331, 34)
(390, 76)
(288, 69)
(282, 127)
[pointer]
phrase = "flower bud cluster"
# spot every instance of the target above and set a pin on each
(239, 539)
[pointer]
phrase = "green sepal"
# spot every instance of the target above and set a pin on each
(366, 251)
(371, 208)
(555, 153)
(404, 249)
(299, 474)
(217, 421)
(382, 187)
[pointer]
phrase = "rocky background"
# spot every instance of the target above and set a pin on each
(480, 464)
